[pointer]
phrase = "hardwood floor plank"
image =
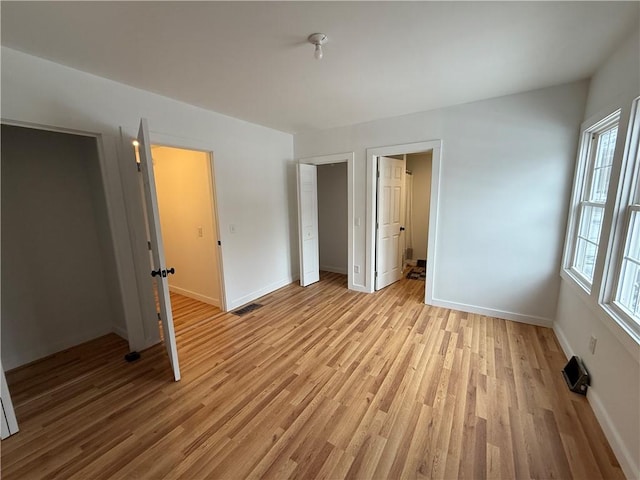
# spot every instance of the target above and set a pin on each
(320, 382)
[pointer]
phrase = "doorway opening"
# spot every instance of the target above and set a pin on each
(402, 207)
(325, 217)
(178, 193)
(184, 187)
(60, 283)
(188, 222)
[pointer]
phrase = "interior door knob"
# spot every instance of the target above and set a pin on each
(171, 271)
(402, 229)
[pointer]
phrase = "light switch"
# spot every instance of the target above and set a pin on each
(200, 232)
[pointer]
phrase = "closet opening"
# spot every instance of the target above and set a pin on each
(60, 286)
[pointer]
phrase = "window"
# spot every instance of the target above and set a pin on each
(599, 144)
(627, 292)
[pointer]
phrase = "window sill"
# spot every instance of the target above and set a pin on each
(576, 279)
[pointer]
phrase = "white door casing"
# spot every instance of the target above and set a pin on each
(308, 224)
(389, 218)
(157, 251)
(9, 422)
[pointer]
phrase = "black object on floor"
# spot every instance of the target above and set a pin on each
(576, 376)
(246, 309)
(417, 273)
(132, 357)
(421, 263)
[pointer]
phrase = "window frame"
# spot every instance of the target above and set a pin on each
(583, 184)
(628, 202)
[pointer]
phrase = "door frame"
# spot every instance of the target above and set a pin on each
(137, 227)
(347, 157)
(372, 198)
(107, 146)
(214, 208)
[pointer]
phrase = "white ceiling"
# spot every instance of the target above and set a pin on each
(250, 60)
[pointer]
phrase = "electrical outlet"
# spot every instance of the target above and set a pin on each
(356, 269)
(200, 232)
(592, 344)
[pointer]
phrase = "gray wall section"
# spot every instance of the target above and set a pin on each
(332, 217)
(59, 286)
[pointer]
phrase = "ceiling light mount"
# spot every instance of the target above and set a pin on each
(318, 39)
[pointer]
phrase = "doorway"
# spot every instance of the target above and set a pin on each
(184, 187)
(60, 282)
(323, 179)
(417, 211)
(413, 151)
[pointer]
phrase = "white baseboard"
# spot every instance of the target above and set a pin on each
(626, 460)
(489, 312)
(196, 296)
(629, 466)
(238, 302)
(564, 343)
(329, 268)
(12, 360)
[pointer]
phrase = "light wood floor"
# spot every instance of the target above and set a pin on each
(321, 382)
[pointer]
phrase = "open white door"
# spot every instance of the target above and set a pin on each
(389, 218)
(308, 224)
(159, 269)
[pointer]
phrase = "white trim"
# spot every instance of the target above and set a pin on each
(347, 157)
(434, 209)
(238, 302)
(7, 408)
(489, 312)
(580, 192)
(562, 340)
(172, 141)
(196, 296)
(629, 467)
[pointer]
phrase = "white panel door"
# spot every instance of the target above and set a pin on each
(159, 270)
(389, 218)
(308, 224)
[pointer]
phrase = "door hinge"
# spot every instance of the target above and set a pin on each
(149, 245)
(159, 317)
(378, 173)
(219, 243)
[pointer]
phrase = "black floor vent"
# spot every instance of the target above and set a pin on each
(246, 309)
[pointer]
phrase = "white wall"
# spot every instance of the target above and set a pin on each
(332, 217)
(420, 166)
(183, 185)
(615, 368)
(55, 263)
(255, 173)
(505, 179)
